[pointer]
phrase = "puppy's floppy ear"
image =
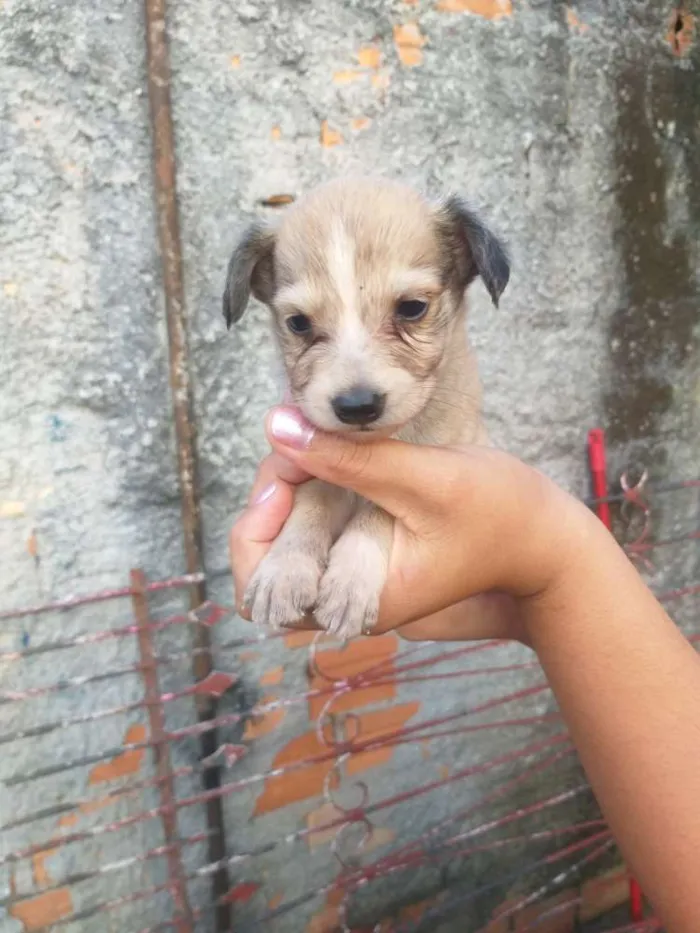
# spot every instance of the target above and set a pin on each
(250, 269)
(472, 249)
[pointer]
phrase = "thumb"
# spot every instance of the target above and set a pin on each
(401, 478)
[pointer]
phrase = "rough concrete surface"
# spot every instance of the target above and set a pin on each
(573, 129)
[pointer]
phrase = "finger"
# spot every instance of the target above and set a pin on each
(254, 532)
(402, 478)
(273, 468)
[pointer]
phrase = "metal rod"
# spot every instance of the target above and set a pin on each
(159, 81)
(161, 755)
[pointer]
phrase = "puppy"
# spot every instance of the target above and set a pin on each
(366, 283)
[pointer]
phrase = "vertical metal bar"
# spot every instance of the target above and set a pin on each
(184, 921)
(171, 258)
(598, 466)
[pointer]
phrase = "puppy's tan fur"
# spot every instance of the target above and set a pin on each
(345, 257)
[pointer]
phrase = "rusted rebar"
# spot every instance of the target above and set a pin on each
(164, 164)
(161, 754)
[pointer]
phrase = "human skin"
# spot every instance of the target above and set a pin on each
(485, 547)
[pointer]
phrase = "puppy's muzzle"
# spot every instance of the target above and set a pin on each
(360, 405)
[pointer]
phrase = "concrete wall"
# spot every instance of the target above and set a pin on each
(575, 130)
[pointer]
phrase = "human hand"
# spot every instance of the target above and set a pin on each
(476, 531)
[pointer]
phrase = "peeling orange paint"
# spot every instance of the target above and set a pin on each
(328, 919)
(360, 123)
(67, 821)
(129, 762)
(276, 133)
(301, 784)
(574, 22)
(40, 873)
(273, 676)
(381, 836)
(380, 82)
(275, 900)
(326, 813)
(33, 545)
(489, 9)
(681, 32)
(300, 639)
(329, 136)
(346, 77)
(235, 61)
(413, 913)
(358, 657)
(44, 910)
(375, 725)
(246, 656)
(370, 56)
(264, 721)
(409, 42)
(444, 772)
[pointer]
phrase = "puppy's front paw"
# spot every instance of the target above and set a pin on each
(284, 587)
(348, 598)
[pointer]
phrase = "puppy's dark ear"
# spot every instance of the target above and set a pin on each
(250, 269)
(473, 250)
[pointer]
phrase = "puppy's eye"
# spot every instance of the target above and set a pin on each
(411, 310)
(298, 324)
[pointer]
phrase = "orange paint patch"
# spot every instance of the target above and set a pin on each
(275, 901)
(380, 82)
(681, 32)
(40, 873)
(248, 656)
(489, 9)
(381, 836)
(235, 61)
(299, 639)
(299, 784)
(44, 910)
(409, 42)
(574, 22)
(326, 813)
(276, 133)
(412, 914)
(346, 77)
(67, 821)
(370, 57)
(377, 725)
(359, 657)
(329, 137)
(272, 677)
(328, 920)
(263, 721)
(360, 123)
(129, 762)
(444, 772)
(33, 546)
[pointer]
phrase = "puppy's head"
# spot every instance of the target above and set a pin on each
(366, 282)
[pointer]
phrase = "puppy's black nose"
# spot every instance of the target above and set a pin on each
(359, 405)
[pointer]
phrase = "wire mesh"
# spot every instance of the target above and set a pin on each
(379, 786)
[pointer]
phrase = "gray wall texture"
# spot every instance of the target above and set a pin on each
(576, 131)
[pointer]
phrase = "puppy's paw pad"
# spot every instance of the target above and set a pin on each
(284, 588)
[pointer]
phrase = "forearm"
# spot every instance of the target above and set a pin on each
(628, 685)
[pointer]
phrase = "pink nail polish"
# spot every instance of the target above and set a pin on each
(290, 427)
(265, 494)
